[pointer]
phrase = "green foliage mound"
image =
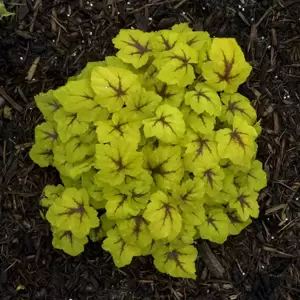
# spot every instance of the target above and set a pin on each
(155, 148)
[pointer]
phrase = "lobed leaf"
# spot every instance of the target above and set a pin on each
(116, 160)
(204, 99)
(72, 213)
(113, 86)
(227, 67)
(163, 216)
(168, 125)
(121, 252)
(177, 262)
(68, 242)
(134, 45)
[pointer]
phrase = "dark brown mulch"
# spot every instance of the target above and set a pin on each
(260, 264)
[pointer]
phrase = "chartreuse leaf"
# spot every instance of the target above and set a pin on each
(41, 154)
(68, 125)
(255, 179)
(168, 125)
(227, 68)
(238, 143)
(46, 134)
(69, 182)
(122, 125)
(212, 175)
(204, 99)
(152, 247)
(164, 40)
(171, 94)
(186, 235)
(68, 242)
(176, 261)
(235, 224)
(134, 45)
(94, 190)
(148, 77)
(118, 205)
(77, 150)
(165, 165)
(245, 204)
(113, 86)
(163, 216)
(134, 231)
(113, 61)
(203, 56)
(142, 105)
(121, 251)
(176, 65)
(202, 123)
(97, 234)
(50, 194)
(73, 170)
(106, 223)
(189, 198)
(71, 212)
(199, 149)
(181, 28)
(195, 39)
(93, 114)
(47, 104)
(116, 160)
(237, 105)
(76, 96)
(216, 226)
(137, 189)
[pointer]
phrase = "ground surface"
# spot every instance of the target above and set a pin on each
(262, 263)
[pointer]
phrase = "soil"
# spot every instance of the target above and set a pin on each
(48, 41)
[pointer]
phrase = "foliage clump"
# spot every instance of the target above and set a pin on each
(155, 148)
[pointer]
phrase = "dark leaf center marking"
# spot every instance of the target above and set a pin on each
(163, 91)
(118, 90)
(75, 210)
(167, 44)
(192, 41)
(47, 152)
(233, 107)
(233, 219)
(228, 65)
(235, 135)
(85, 96)
(202, 144)
(209, 174)
(141, 49)
(174, 255)
(165, 123)
(211, 222)
(67, 234)
(55, 106)
(183, 59)
(242, 199)
(124, 197)
(168, 213)
(51, 135)
(138, 224)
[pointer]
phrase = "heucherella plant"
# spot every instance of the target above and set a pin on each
(155, 147)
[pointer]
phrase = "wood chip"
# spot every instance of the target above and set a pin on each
(32, 69)
(212, 263)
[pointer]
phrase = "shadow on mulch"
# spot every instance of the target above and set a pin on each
(262, 263)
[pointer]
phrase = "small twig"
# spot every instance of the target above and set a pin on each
(12, 102)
